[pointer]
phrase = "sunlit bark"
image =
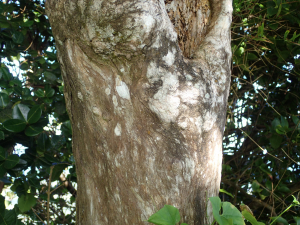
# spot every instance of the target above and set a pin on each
(146, 94)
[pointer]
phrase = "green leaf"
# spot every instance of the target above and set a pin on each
(295, 120)
(286, 34)
(226, 192)
(297, 220)
(57, 170)
(295, 35)
(260, 31)
(252, 56)
(271, 10)
(33, 130)
(66, 128)
(50, 76)
(15, 82)
(24, 66)
(276, 140)
(28, 23)
(18, 37)
(5, 74)
(256, 186)
(49, 92)
(251, 218)
(20, 112)
(216, 205)
(284, 123)
(26, 201)
(14, 125)
(279, 220)
(168, 215)
(283, 188)
(275, 123)
(43, 142)
(2, 153)
(34, 114)
(4, 100)
(231, 212)
(39, 93)
(10, 218)
(11, 161)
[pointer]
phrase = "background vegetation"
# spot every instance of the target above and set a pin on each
(261, 142)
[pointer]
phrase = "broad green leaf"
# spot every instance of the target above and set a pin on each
(216, 205)
(252, 56)
(24, 66)
(231, 212)
(15, 82)
(276, 140)
(5, 74)
(283, 188)
(2, 153)
(26, 201)
(57, 170)
(28, 23)
(297, 220)
(34, 114)
(66, 128)
(280, 220)
(256, 186)
(43, 142)
(14, 125)
(33, 130)
(271, 10)
(20, 112)
(10, 218)
(39, 93)
(295, 120)
(168, 215)
(18, 37)
(280, 130)
(49, 92)
(50, 76)
(284, 123)
(11, 161)
(226, 192)
(251, 218)
(275, 123)
(4, 100)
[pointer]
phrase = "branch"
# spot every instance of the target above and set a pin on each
(255, 200)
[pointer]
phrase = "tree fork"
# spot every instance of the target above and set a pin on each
(147, 101)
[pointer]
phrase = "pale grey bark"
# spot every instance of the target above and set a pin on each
(147, 100)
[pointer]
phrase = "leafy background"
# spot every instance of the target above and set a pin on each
(261, 140)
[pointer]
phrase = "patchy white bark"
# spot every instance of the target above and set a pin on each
(147, 100)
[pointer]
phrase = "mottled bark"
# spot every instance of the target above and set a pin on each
(147, 101)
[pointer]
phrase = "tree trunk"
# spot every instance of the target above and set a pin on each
(146, 86)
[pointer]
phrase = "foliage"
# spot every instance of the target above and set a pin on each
(32, 109)
(261, 141)
(169, 215)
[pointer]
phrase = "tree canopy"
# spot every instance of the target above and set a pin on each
(261, 162)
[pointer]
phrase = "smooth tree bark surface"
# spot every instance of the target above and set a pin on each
(146, 87)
